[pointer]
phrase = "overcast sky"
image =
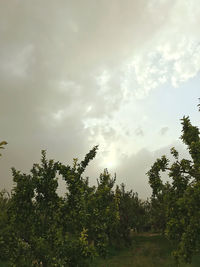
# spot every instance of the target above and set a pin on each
(74, 74)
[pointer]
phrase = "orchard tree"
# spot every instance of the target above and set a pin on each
(46, 228)
(179, 199)
(133, 213)
(105, 215)
(75, 204)
(157, 209)
(4, 224)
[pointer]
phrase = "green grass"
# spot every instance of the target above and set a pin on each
(146, 251)
(3, 264)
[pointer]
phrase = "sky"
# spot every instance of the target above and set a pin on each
(118, 74)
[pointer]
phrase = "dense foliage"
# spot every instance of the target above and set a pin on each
(177, 202)
(40, 227)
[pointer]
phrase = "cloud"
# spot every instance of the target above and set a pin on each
(132, 170)
(139, 131)
(172, 55)
(164, 130)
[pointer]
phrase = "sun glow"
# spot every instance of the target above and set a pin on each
(109, 160)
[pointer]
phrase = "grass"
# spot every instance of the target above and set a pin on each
(3, 264)
(146, 251)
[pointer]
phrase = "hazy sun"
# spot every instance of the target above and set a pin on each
(109, 161)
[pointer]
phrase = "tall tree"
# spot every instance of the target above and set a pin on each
(181, 197)
(41, 229)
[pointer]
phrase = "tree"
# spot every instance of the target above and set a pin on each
(181, 197)
(4, 224)
(104, 214)
(133, 213)
(45, 227)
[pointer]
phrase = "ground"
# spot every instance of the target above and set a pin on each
(147, 250)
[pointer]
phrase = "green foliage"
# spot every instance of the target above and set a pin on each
(4, 225)
(40, 227)
(178, 202)
(104, 219)
(44, 227)
(134, 213)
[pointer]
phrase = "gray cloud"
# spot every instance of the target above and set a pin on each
(132, 170)
(139, 132)
(164, 130)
